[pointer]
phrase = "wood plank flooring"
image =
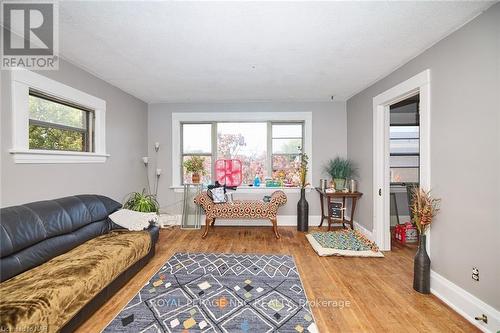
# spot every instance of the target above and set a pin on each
(364, 294)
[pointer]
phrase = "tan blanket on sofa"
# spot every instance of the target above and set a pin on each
(46, 297)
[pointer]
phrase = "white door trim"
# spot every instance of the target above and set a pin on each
(420, 84)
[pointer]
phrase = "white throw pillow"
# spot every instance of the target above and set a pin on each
(218, 195)
(133, 220)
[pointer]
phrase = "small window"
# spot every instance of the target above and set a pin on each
(58, 125)
(197, 142)
(287, 144)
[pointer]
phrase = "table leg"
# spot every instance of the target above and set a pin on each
(329, 209)
(321, 198)
(353, 207)
(343, 214)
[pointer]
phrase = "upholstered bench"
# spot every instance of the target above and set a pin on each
(241, 209)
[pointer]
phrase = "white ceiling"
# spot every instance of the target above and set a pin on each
(249, 51)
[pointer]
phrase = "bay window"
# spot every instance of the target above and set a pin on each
(267, 149)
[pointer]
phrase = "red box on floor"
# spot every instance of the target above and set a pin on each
(406, 233)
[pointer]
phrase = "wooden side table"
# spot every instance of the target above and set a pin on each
(354, 196)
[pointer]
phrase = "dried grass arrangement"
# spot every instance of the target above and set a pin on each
(423, 208)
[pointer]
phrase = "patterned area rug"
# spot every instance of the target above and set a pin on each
(348, 242)
(206, 292)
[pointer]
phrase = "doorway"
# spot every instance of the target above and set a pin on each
(418, 85)
(404, 169)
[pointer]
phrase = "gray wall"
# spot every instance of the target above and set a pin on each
(126, 141)
(465, 156)
(329, 139)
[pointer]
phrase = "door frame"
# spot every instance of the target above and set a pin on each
(418, 84)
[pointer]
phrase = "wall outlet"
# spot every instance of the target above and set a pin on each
(475, 274)
(166, 220)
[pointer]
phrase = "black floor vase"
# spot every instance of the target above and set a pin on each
(302, 212)
(422, 269)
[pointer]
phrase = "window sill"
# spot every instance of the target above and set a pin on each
(50, 156)
(251, 189)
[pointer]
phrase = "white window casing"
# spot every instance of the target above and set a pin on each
(21, 82)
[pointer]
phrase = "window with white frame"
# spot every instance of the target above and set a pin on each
(267, 148)
(55, 123)
(287, 142)
(197, 142)
(58, 125)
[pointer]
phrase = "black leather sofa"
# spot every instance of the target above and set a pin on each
(34, 233)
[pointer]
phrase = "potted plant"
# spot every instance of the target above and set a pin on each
(423, 209)
(340, 169)
(194, 165)
(303, 205)
(142, 202)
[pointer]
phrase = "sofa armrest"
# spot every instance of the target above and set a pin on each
(154, 232)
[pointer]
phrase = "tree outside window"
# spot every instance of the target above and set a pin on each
(266, 149)
(54, 125)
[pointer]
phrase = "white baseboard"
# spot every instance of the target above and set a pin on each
(466, 304)
(283, 220)
(168, 220)
(361, 228)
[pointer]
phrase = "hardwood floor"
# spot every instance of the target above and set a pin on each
(371, 294)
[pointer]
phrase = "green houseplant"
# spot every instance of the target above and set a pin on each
(340, 169)
(142, 202)
(194, 165)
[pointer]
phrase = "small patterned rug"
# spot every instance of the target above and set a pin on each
(350, 243)
(207, 292)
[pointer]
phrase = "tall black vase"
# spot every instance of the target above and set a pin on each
(422, 269)
(302, 212)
